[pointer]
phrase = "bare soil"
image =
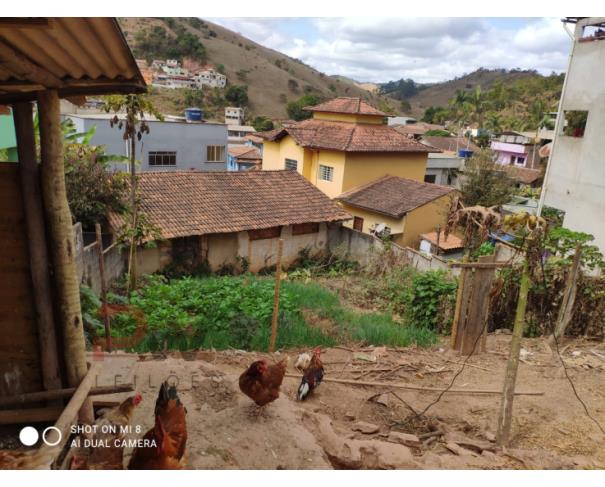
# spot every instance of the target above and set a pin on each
(549, 430)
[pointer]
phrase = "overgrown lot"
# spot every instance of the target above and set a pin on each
(235, 311)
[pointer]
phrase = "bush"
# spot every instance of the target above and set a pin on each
(295, 108)
(430, 301)
(237, 95)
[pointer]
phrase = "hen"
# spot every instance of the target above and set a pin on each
(107, 451)
(27, 460)
(261, 382)
(167, 439)
(312, 376)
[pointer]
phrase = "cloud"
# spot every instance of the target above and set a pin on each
(424, 49)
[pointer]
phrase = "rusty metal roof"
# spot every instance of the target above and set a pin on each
(77, 56)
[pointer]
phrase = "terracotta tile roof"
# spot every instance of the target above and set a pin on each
(523, 174)
(184, 203)
(239, 150)
(393, 196)
(417, 128)
(353, 106)
(246, 154)
(347, 137)
(450, 144)
(451, 243)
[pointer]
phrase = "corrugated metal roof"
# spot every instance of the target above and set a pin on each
(74, 55)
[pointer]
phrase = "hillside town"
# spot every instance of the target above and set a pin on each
(427, 270)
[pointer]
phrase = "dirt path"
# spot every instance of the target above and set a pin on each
(549, 431)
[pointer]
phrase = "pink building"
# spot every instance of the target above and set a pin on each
(516, 149)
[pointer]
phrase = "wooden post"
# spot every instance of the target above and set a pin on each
(280, 245)
(460, 291)
(569, 297)
(132, 263)
(510, 378)
(61, 237)
(36, 239)
(106, 319)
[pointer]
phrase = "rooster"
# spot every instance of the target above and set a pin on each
(27, 460)
(167, 439)
(312, 376)
(107, 453)
(261, 382)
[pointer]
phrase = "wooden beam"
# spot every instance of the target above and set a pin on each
(37, 245)
(22, 67)
(28, 416)
(480, 265)
(275, 316)
(61, 238)
(22, 22)
(106, 319)
(32, 397)
(69, 414)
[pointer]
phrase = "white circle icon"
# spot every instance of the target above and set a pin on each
(58, 435)
(29, 436)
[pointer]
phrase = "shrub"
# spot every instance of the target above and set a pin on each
(430, 299)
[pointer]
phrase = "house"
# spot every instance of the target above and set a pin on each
(237, 133)
(444, 167)
(173, 82)
(234, 116)
(397, 207)
(232, 220)
(210, 77)
(400, 120)
(436, 243)
(41, 328)
(516, 149)
(575, 176)
(417, 130)
(170, 145)
(244, 158)
(346, 144)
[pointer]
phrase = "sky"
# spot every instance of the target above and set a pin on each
(423, 49)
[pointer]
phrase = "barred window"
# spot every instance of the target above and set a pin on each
(215, 153)
(162, 158)
(291, 165)
(326, 173)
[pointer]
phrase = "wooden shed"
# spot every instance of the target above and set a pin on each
(42, 345)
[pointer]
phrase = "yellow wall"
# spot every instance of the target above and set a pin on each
(425, 219)
(406, 231)
(222, 250)
(333, 159)
(346, 117)
(275, 154)
(362, 168)
(370, 218)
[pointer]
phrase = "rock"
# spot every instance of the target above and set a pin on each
(349, 416)
(489, 436)
(366, 428)
(404, 439)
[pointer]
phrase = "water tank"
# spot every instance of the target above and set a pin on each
(193, 114)
(465, 153)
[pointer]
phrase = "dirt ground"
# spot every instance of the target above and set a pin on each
(352, 426)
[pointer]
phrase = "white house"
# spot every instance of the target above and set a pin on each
(234, 116)
(210, 77)
(575, 175)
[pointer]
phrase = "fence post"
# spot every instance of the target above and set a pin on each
(569, 297)
(280, 245)
(106, 321)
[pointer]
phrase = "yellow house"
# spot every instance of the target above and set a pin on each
(346, 144)
(403, 208)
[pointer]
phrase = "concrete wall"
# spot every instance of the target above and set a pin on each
(424, 220)
(189, 140)
(575, 178)
(362, 168)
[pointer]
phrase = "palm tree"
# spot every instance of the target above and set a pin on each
(493, 122)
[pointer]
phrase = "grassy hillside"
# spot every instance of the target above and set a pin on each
(438, 94)
(272, 78)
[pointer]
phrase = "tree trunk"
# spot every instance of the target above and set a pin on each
(132, 261)
(510, 378)
(36, 239)
(62, 245)
(569, 297)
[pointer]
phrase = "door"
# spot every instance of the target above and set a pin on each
(358, 224)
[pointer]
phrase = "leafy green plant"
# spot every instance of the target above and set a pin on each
(431, 294)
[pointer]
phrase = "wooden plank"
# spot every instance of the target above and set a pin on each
(481, 264)
(28, 416)
(479, 302)
(61, 393)
(459, 291)
(464, 308)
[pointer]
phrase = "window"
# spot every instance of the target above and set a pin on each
(520, 161)
(162, 158)
(304, 228)
(430, 178)
(273, 232)
(215, 153)
(326, 173)
(358, 224)
(575, 123)
(291, 165)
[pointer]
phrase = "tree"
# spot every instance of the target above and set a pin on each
(134, 126)
(493, 122)
(484, 182)
(296, 110)
(262, 123)
(237, 94)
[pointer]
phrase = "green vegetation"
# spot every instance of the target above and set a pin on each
(404, 88)
(295, 108)
(438, 133)
(522, 105)
(157, 43)
(485, 183)
(262, 123)
(228, 311)
(237, 95)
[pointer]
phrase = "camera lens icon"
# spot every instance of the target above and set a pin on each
(29, 436)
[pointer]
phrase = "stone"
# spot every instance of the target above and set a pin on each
(404, 439)
(366, 428)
